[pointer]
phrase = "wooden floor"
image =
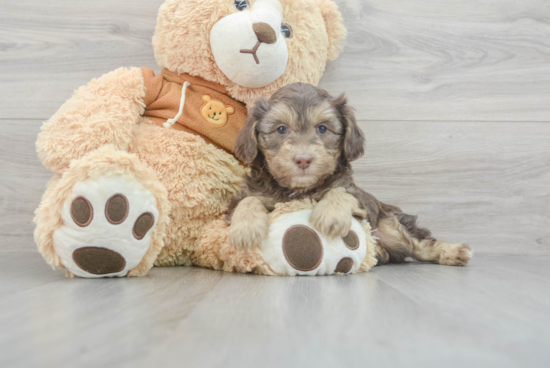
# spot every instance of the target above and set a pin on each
(454, 97)
(493, 313)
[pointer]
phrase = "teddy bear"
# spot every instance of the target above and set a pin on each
(142, 162)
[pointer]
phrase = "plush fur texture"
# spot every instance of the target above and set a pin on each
(217, 252)
(200, 180)
(301, 143)
(183, 32)
(102, 112)
(105, 161)
(193, 181)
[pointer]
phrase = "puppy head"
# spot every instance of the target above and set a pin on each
(303, 133)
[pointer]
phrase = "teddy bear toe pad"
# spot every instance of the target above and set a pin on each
(107, 227)
(293, 248)
(303, 248)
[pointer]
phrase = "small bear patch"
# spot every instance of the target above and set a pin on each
(215, 112)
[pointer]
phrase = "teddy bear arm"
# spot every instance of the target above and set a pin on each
(100, 113)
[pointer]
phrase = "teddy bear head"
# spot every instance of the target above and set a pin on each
(252, 47)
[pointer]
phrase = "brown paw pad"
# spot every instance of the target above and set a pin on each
(82, 211)
(344, 266)
(116, 209)
(351, 240)
(143, 224)
(99, 261)
(302, 248)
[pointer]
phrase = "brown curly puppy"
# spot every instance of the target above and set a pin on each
(300, 144)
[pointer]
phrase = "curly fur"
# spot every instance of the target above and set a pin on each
(301, 109)
(101, 130)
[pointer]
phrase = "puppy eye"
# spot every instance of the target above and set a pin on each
(322, 129)
(286, 30)
(281, 129)
(241, 4)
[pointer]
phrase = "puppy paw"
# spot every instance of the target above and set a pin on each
(329, 221)
(245, 235)
(382, 255)
(455, 255)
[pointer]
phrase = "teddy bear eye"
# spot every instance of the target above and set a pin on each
(241, 4)
(281, 129)
(286, 30)
(322, 129)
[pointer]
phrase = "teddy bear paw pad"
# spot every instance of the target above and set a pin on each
(293, 247)
(99, 261)
(107, 227)
(303, 248)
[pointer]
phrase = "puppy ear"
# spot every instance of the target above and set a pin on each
(335, 27)
(246, 146)
(354, 139)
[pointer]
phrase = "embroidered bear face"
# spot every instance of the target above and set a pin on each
(215, 112)
(252, 47)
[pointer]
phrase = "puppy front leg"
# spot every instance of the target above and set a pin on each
(332, 215)
(249, 224)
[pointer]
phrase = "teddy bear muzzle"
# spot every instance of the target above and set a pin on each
(248, 46)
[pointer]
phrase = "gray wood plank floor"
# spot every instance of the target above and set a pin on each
(454, 97)
(483, 183)
(419, 60)
(492, 313)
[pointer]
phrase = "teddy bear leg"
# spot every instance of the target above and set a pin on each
(293, 247)
(216, 252)
(104, 217)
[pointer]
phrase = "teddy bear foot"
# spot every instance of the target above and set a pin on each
(293, 247)
(106, 227)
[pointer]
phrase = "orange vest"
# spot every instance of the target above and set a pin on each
(208, 111)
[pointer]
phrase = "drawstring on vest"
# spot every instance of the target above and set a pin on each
(173, 121)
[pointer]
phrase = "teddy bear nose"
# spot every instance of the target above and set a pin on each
(265, 33)
(303, 161)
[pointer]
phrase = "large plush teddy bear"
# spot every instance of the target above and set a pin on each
(143, 165)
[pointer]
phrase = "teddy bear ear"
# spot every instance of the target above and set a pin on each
(206, 98)
(335, 27)
(230, 110)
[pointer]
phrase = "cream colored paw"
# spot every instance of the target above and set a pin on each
(329, 221)
(293, 247)
(456, 255)
(245, 235)
(107, 227)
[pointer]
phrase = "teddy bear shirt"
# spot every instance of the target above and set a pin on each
(208, 110)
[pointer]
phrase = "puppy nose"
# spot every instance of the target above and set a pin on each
(303, 161)
(265, 33)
